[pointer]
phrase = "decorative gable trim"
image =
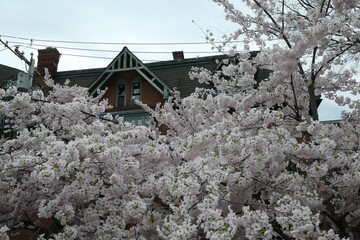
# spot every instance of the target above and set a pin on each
(127, 61)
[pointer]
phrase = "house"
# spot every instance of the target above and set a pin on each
(127, 78)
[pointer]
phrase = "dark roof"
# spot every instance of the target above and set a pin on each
(82, 78)
(7, 74)
(175, 73)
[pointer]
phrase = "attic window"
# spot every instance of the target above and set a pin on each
(121, 93)
(136, 89)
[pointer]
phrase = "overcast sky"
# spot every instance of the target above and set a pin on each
(114, 21)
(119, 21)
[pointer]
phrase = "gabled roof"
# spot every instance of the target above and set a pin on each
(127, 61)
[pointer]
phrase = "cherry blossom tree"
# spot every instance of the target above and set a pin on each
(72, 166)
(242, 160)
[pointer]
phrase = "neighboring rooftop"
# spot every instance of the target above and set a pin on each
(7, 74)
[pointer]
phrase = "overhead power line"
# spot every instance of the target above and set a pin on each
(89, 56)
(37, 44)
(70, 48)
(32, 40)
(110, 58)
(105, 50)
(86, 56)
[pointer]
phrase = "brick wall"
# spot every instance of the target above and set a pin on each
(149, 94)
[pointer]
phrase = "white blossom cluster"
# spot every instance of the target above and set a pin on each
(244, 160)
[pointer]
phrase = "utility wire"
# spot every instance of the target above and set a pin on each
(30, 44)
(110, 43)
(86, 56)
(89, 56)
(110, 58)
(105, 50)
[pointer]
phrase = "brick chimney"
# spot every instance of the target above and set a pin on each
(178, 55)
(48, 58)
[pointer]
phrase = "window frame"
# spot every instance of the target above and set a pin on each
(121, 82)
(133, 81)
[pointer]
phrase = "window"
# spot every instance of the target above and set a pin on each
(121, 93)
(136, 90)
(138, 120)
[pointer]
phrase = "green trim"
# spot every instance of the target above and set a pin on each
(129, 112)
(136, 116)
(126, 61)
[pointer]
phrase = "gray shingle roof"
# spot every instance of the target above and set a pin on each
(176, 73)
(82, 78)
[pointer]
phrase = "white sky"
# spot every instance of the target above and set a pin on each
(120, 21)
(131, 21)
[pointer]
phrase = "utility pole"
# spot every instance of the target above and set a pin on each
(24, 80)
